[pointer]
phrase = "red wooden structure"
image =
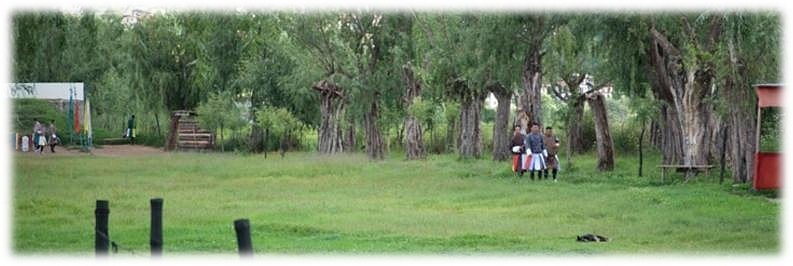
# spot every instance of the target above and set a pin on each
(767, 174)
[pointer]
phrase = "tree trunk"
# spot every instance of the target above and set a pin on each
(172, 133)
(684, 89)
(575, 130)
(452, 136)
(501, 129)
(605, 145)
(470, 132)
(157, 121)
(348, 143)
(529, 101)
(414, 145)
(741, 120)
(256, 138)
(374, 140)
(670, 136)
(266, 135)
(332, 109)
(222, 144)
(641, 152)
(655, 134)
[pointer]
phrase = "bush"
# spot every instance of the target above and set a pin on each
(26, 110)
(626, 136)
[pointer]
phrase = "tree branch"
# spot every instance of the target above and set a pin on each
(555, 92)
(661, 40)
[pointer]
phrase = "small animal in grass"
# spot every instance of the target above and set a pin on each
(591, 238)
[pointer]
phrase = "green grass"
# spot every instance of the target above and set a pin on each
(307, 203)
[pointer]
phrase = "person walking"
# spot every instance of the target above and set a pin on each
(131, 129)
(53, 136)
(39, 140)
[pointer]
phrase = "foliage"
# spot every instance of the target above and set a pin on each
(26, 110)
(175, 60)
(219, 112)
(277, 121)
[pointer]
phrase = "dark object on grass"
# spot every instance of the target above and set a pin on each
(102, 239)
(243, 229)
(591, 238)
(155, 236)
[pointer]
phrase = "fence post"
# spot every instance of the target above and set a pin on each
(101, 234)
(243, 229)
(156, 227)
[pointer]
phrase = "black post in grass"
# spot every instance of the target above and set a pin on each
(243, 229)
(156, 227)
(102, 236)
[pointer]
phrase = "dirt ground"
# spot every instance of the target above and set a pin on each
(105, 150)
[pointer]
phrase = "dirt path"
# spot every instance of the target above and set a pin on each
(105, 150)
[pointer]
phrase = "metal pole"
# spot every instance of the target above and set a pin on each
(156, 227)
(243, 230)
(102, 236)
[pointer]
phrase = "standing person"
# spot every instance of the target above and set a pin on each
(39, 140)
(131, 129)
(551, 149)
(53, 136)
(517, 149)
(535, 145)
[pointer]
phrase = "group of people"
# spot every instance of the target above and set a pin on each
(535, 152)
(43, 137)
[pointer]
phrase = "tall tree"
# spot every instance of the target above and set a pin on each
(502, 44)
(453, 69)
(328, 61)
(414, 145)
(750, 54)
(574, 45)
(682, 69)
(533, 32)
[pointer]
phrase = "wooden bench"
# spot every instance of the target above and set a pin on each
(679, 167)
(115, 141)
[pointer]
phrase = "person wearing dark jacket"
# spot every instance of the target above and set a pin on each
(131, 134)
(535, 145)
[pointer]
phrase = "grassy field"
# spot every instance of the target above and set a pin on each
(345, 204)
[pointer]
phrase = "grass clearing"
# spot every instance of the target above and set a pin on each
(310, 204)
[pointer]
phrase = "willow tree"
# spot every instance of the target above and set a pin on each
(322, 60)
(681, 57)
(264, 73)
(575, 46)
(414, 144)
(406, 54)
(499, 45)
(163, 52)
(748, 54)
(532, 33)
(367, 39)
(218, 112)
(453, 71)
